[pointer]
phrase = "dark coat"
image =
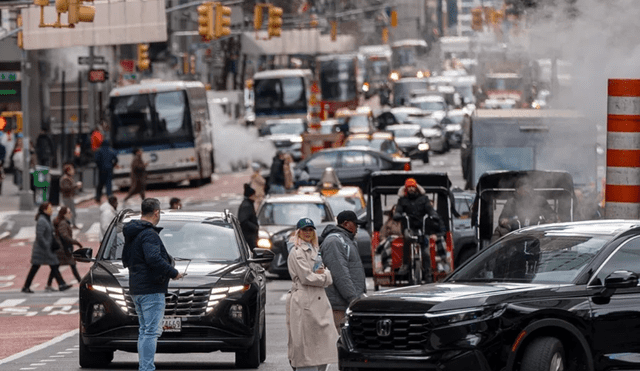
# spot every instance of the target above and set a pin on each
(248, 222)
(138, 173)
(3, 153)
(106, 158)
(341, 257)
(147, 259)
(277, 172)
(67, 186)
(41, 253)
(416, 207)
(65, 236)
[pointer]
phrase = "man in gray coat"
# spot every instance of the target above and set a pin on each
(340, 255)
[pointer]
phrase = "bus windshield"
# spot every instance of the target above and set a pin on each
(277, 96)
(513, 83)
(338, 79)
(407, 55)
(150, 119)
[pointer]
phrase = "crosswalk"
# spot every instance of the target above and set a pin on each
(90, 233)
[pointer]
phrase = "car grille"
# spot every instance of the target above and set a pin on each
(179, 302)
(405, 332)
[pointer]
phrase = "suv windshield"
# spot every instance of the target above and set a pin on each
(190, 240)
(290, 213)
(532, 258)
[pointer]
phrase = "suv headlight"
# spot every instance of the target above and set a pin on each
(465, 315)
(264, 240)
(219, 293)
(115, 293)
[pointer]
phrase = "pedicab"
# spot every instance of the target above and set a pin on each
(496, 188)
(430, 261)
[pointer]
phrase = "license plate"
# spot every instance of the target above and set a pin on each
(172, 324)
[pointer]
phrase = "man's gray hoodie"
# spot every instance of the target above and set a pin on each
(340, 255)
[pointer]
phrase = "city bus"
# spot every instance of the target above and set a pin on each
(338, 77)
(169, 121)
(409, 59)
(281, 94)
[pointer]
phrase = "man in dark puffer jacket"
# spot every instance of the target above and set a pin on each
(149, 273)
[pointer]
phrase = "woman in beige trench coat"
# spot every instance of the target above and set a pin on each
(312, 332)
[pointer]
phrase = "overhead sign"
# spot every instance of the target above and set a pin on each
(98, 75)
(97, 59)
(115, 23)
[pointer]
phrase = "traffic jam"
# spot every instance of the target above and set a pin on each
(339, 186)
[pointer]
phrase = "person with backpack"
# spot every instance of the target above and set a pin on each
(341, 257)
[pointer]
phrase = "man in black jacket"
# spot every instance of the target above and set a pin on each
(415, 204)
(276, 176)
(247, 217)
(150, 269)
(106, 158)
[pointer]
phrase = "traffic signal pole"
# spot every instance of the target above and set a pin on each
(26, 198)
(91, 104)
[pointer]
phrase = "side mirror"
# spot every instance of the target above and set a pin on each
(621, 280)
(84, 255)
(262, 255)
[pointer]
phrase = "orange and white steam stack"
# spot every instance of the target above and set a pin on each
(622, 194)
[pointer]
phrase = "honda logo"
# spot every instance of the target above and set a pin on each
(383, 327)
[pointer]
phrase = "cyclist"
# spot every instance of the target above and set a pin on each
(415, 204)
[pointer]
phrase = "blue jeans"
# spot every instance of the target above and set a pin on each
(150, 309)
(277, 189)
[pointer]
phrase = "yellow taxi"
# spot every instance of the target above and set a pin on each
(359, 120)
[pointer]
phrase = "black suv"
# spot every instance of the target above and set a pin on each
(218, 306)
(549, 297)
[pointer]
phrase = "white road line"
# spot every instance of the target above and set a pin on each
(12, 303)
(25, 233)
(64, 353)
(40, 347)
(66, 301)
(5, 234)
(94, 229)
(10, 277)
(38, 364)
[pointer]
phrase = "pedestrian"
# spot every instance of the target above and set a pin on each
(42, 252)
(138, 175)
(175, 203)
(149, 273)
(68, 189)
(310, 324)
(3, 154)
(108, 211)
(64, 233)
(257, 183)
(106, 158)
(276, 176)
(340, 255)
(247, 217)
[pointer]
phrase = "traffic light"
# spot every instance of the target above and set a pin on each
(257, 17)
(206, 21)
(498, 17)
(476, 19)
(143, 57)
(394, 18)
(334, 30)
(275, 22)
(79, 12)
(223, 21)
(385, 35)
(20, 39)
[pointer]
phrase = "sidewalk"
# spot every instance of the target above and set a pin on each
(10, 197)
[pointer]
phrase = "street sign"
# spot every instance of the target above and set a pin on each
(97, 59)
(98, 75)
(9, 76)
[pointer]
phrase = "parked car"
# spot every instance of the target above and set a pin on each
(285, 134)
(379, 141)
(219, 305)
(351, 164)
(278, 215)
(411, 139)
(452, 124)
(548, 297)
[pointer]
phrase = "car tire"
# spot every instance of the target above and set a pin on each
(544, 354)
(263, 344)
(416, 273)
(89, 359)
(251, 357)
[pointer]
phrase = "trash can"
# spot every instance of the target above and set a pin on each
(40, 194)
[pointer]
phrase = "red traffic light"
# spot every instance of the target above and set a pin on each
(98, 75)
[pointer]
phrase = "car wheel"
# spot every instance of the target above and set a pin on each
(416, 273)
(543, 354)
(250, 358)
(263, 344)
(89, 359)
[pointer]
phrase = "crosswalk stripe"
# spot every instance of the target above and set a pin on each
(26, 233)
(94, 229)
(11, 303)
(65, 301)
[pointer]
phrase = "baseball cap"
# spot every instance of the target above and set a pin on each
(304, 223)
(348, 215)
(410, 182)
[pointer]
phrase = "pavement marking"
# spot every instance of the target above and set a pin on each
(57, 356)
(38, 364)
(26, 233)
(5, 234)
(12, 302)
(40, 347)
(28, 368)
(64, 353)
